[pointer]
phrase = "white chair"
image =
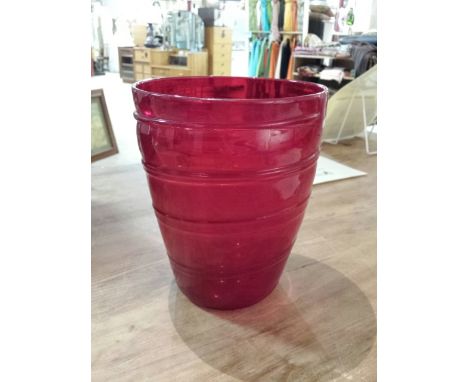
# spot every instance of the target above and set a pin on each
(352, 110)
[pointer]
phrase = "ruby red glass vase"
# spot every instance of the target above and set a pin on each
(230, 163)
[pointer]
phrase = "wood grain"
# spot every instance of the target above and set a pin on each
(318, 325)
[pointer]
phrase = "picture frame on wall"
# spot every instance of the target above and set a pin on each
(103, 143)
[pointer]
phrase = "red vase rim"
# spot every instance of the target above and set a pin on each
(310, 90)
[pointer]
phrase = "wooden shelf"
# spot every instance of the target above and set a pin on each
(156, 63)
(320, 57)
(318, 76)
(178, 67)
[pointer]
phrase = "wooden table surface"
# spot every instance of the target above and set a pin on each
(319, 324)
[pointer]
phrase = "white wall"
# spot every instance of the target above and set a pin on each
(373, 22)
(142, 11)
(365, 15)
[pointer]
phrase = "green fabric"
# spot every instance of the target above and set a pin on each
(253, 15)
(269, 11)
(266, 69)
(260, 59)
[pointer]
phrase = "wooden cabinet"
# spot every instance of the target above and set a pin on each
(217, 35)
(157, 63)
(169, 71)
(142, 54)
(142, 63)
(126, 65)
(218, 41)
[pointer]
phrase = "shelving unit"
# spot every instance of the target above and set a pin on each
(301, 25)
(321, 57)
(155, 63)
(218, 41)
(305, 59)
(348, 78)
(303, 21)
(300, 59)
(126, 67)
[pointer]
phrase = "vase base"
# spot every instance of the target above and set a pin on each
(229, 293)
(221, 305)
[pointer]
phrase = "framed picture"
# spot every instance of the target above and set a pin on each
(103, 141)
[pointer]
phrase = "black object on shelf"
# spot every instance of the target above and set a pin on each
(178, 60)
(152, 39)
(370, 39)
(209, 16)
(101, 66)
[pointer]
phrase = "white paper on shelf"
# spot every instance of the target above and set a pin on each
(332, 74)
